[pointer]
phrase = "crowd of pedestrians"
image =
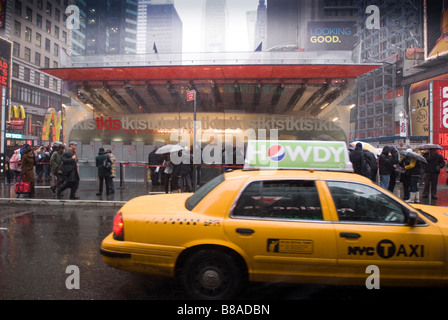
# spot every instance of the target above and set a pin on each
(411, 168)
(58, 165)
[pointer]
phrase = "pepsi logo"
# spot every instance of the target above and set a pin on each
(276, 152)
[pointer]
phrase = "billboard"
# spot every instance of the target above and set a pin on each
(331, 35)
(438, 90)
(436, 23)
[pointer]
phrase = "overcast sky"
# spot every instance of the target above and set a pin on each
(190, 11)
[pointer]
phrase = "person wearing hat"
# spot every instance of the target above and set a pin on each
(55, 160)
(104, 165)
(69, 170)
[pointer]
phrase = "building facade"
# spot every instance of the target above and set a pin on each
(40, 37)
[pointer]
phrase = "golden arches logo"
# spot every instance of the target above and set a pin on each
(17, 112)
(58, 121)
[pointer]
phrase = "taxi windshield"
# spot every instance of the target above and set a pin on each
(202, 192)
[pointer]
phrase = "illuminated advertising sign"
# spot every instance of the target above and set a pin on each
(439, 114)
(53, 124)
(331, 35)
(5, 61)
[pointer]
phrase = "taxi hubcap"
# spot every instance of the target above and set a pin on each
(211, 279)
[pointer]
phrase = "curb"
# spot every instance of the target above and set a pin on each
(58, 202)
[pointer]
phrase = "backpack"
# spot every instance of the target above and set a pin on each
(107, 164)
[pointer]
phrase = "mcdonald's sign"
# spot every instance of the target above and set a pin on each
(16, 117)
(53, 123)
(17, 112)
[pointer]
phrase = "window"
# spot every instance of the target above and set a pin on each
(36, 78)
(26, 74)
(47, 62)
(47, 44)
(55, 84)
(27, 55)
(15, 70)
(360, 203)
(56, 50)
(48, 26)
(55, 64)
(283, 199)
(37, 58)
(38, 41)
(203, 191)
(39, 4)
(28, 33)
(18, 8)
(57, 14)
(64, 36)
(29, 14)
(39, 21)
(49, 8)
(17, 28)
(16, 50)
(46, 81)
(56, 32)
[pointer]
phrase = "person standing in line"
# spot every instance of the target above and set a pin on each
(103, 163)
(359, 161)
(393, 173)
(55, 174)
(431, 171)
(113, 173)
(15, 164)
(40, 154)
(28, 162)
(69, 169)
(385, 167)
(167, 173)
(182, 172)
(154, 160)
(414, 170)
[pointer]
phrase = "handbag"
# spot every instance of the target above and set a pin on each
(23, 186)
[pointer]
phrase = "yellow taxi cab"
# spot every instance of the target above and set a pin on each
(272, 222)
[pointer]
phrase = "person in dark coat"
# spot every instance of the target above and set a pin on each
(386, 167)
(359, 161)
(393, 174)
(431, 172)
(182, 172)
(104, 165)
(154, 160)
(28, 163)
(69, 169)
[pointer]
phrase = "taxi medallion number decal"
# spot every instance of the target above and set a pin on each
(289, 246)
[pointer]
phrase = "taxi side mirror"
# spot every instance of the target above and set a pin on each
(412, 218)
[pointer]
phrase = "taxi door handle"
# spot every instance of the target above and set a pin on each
(349, 235)
(245, 230)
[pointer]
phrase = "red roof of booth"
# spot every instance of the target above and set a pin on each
(214, 72)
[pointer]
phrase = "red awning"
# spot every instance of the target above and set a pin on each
(212, 72)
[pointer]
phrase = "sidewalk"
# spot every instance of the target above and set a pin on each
(87, 193)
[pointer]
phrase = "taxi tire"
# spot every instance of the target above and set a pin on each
(211, 275)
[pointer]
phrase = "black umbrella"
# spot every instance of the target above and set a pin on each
(428, 146)
(414, 155)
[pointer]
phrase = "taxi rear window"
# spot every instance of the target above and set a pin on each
(203, 191)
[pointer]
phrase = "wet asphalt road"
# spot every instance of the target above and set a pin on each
(38, 244)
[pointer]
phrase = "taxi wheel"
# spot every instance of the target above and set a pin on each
(209, 274)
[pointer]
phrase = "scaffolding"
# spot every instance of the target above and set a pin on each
(401, 28)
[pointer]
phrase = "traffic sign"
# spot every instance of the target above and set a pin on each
(191, 95)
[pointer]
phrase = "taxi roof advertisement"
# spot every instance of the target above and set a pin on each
(318, 155)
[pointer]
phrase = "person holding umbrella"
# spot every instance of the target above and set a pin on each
(412, 165)
(431, 169)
